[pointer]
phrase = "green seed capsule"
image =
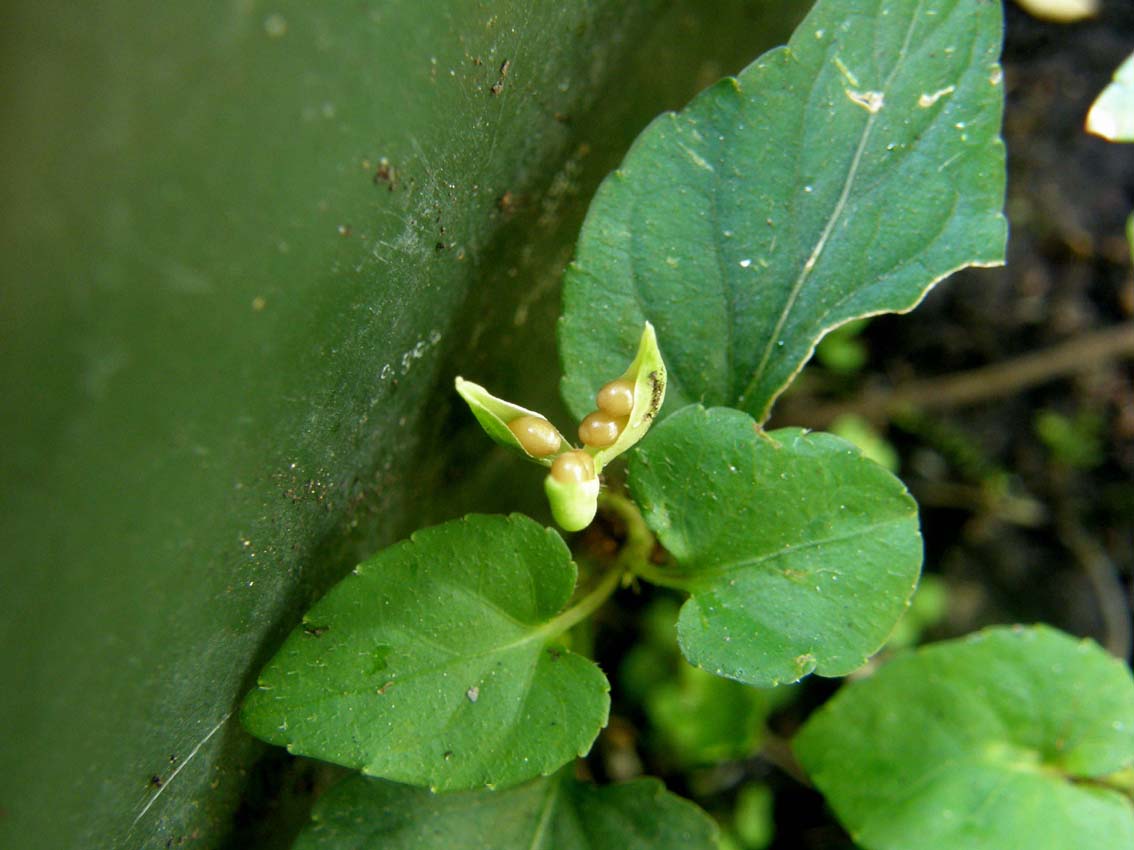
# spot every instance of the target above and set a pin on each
(600, 429)
(536, 435)
(616, 398)
(571, 467)
(572, 489)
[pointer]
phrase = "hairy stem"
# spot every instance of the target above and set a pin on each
(585, 606)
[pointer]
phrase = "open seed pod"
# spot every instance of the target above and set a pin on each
(627, 406)
(642, 388)
(572, 489)
(517, 428)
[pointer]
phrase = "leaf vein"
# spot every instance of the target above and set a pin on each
(832, 221)
(746, 563)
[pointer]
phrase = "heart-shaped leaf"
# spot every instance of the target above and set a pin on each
(1009, 738)
(438, 662)
(556, 813)
(839, 177)
(800, 553)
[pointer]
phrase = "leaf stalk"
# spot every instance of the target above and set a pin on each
(634, 559)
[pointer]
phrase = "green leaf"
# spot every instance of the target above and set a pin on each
(843, 351)
(438, 662)
(1112, 113)
(695, 718)
(839, 177)
(861, 432)
(928, 609)
(1077, 441)
(754, 818)
(557, 813)
(1003, 739)
(800, 553)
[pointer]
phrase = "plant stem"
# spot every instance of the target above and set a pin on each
(997, 380)
(777, 751)
(585, 606)
(640, 541)
(1106, 583)
(633, 559)
(1122, 781)
(662, 578)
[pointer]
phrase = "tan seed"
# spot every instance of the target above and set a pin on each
(538, 437)
(600, 429)
(616, 398)
(573, 467)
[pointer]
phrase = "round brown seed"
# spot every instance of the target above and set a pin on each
(573, 467)
(538, 437)
(616, 398)
(600, 429)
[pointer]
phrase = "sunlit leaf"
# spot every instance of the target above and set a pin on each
(1112, 114)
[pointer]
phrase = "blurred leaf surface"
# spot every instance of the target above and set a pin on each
(1002, 739)
(702, 719)
(1112, 114)
(556, 813)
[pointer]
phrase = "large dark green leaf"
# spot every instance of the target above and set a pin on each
(439, 662)
(800, 553)
(839, 177)
(556, 813)
(227, 352)
(1009, 738)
